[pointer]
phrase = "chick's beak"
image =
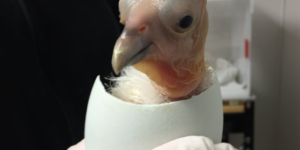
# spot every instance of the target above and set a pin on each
(130, 48)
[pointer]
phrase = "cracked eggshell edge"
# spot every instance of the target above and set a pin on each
(112, 124)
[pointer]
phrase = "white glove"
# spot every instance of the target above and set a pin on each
(186, 143)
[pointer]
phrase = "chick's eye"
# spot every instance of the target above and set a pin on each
(185, 22)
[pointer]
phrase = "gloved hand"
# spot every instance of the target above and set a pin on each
(186, 143)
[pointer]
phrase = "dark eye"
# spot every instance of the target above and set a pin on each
(185, 22)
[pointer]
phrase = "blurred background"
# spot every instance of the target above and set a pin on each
(255, 47)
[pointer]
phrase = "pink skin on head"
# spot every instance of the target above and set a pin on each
(174, 57)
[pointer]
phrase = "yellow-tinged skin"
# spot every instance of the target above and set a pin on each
(175, 58)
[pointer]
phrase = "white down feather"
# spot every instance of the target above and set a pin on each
(134, 86)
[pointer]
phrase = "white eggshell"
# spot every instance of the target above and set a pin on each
(112, 124)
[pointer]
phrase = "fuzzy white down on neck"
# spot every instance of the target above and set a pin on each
(135, 87)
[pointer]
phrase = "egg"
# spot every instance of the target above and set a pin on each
(112, 124)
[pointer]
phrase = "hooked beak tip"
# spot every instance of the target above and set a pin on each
(129, 50)
(117, 65)
(117, 71)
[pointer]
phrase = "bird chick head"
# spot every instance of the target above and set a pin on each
(165, 40)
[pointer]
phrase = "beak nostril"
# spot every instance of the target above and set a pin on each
(142, 29)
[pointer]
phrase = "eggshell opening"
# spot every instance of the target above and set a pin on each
(112, 124)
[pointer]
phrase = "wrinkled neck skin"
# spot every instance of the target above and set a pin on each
(179, 75)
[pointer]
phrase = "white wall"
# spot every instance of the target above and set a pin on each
(267, 45)
(276, 74)
(290, 84)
